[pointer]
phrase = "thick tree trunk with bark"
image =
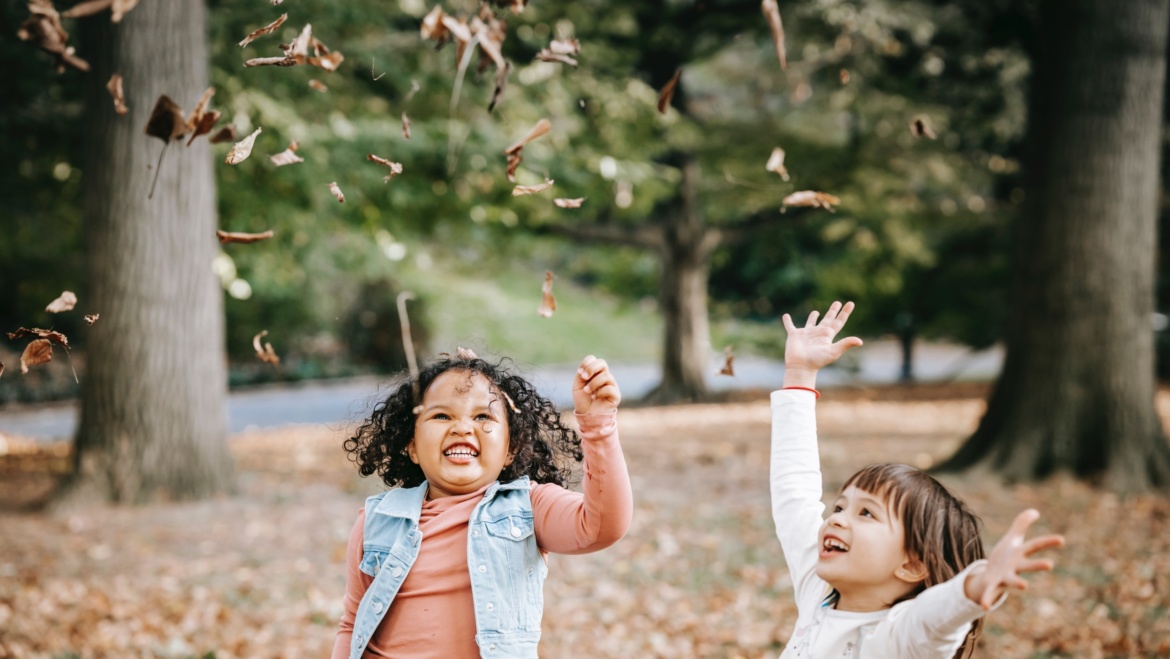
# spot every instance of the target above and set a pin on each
(1077, 389)
(153, 419)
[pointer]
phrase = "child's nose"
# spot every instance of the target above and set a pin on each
(462, 426)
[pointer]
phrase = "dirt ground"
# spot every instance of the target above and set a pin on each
(700, 573)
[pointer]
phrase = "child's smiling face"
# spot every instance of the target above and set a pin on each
(863, 553)
(461, 437)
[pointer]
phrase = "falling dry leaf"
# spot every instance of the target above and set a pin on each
(1, 368)
(225, 134)
(843, 75)
(64, 302)
(166, 120)
(305, 49)
(395, 167)
(465, 353)
(115, 88)
(728, 358)
(776, 163)
(318, 85)
(548, 303)
(92, 318)
(569, 203)
(337, 192)
(54, 336)
(501, 84)
(242, 149)
(772, 12)
(271, 61)
(560, 51)
(201, 120)
(546, 55)
(811, 198)
(921, 127)
(43, 28)
(276, 2)
(667, 92)
(288, 156)
(515, 150)
(265, 353)
(520, 190)
(405, 126)
(267, 29)
(226, 237)
(36, 352)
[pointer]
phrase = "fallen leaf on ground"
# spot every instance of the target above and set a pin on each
(226, 237)
(921, 127)
(267, 29)
(772, 12)
(337, 192)
(91, 318)
(318, 85)
(776, 163)
(395, 167)
(520, 190)
(548, 303)
(64, 302)
(288, 156)
(36, 352)
(811, 198)
(265, 353)
(43, 28)
(728, 358)
(242, 149)
(667, 92)
(569, 203)
(405, 126)
(515, 150)
(225, 134)
(115, 88)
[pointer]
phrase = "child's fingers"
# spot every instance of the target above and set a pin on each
(1038, 565)
(812, 319)
(831, 313)
(842, 346)
(788, 326)
(1023, 521)
(599, 380)
(585, 370)
(609, 392)
(844, 314)
(1043, 542)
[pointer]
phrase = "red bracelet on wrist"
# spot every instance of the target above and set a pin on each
(807, 389)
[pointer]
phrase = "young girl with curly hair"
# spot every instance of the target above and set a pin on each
(897, 569)
(450, 562)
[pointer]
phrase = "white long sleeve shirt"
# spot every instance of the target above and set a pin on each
(932, 625)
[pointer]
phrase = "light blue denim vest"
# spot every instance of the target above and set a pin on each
(507, 569)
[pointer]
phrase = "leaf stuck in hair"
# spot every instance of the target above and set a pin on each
(667, 92)
(776, 163)
(267, 29)
(242, 149)
(288, 156)
(548, 303)
(64, 302)
(115, 88)
(465, 353)
(226, 237)
(265, 353)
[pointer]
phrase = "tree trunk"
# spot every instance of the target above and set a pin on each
(1077, 388)
(153, 420)
(686, 250)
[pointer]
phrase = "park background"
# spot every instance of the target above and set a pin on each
(998, 173)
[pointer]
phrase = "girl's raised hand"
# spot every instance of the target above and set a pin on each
(594, 389)
(1011, 557)
(811, 348)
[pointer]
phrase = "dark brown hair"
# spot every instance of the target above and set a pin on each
(940, 530)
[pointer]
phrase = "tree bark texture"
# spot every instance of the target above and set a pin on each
(153, 420)
(1077, 389)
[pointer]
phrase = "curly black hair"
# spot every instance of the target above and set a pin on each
(540, 443)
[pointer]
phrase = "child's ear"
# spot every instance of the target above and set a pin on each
(912, 571)
(410, 450)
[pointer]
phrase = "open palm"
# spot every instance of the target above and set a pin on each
(811, 347)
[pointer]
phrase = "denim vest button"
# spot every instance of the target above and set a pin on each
(396, 572)
(515, 532)
(492, 647)
(475, 533)
(491, 607)
(377, 607)
(483, 568)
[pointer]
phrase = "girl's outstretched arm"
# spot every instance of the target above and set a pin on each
(1011, 557)
(571, 523)
(810, 348)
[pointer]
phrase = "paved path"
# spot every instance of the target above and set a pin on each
(339, 402)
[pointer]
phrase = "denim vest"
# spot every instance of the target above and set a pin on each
(507, 569)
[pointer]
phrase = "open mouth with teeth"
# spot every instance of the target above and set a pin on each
(461, 453)
(833, 545)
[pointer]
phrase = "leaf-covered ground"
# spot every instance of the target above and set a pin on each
(700, 574)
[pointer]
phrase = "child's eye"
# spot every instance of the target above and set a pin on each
(837, 509)
(866, 513)
(441, 416)
(484, 416)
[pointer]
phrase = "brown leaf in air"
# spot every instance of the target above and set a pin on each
(36, 352)
(265, 353)
(667, 92)
(515, 150)
(465, 353)
(843, 75)
(521, 190)
(395, 167)
(91, 318)
(569, 203)
(226, 237)
(337, 192)
(288, 156)
(501, 83)
(318, 85)
(305, 49)
(206, 123)
(1, 368)
(546, 55)
(43, 28)
(565, 46)
(271, 61)
(776, 163)
(276, 2)
(225, 134)
(548, 303)
(64, 302)
(405, 126)
(200, 121)
(166, 120)
(52, 335)
(267, 29)
(921, 127)
(115, 88)
(728, 358)
(811, 198)
(772, 12)
(242, 149)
